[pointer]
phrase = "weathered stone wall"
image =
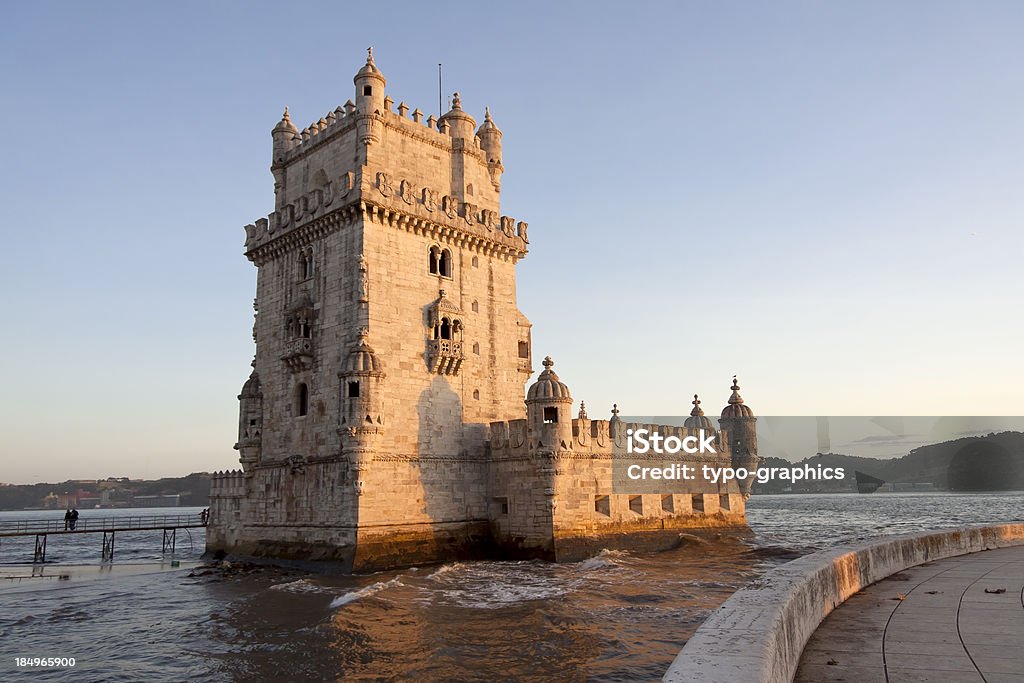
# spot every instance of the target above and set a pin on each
(305, 512)
(560, 500)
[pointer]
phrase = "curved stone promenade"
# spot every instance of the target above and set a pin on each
(959, 619)
(759, 634)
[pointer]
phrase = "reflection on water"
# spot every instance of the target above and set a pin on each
(618, 616)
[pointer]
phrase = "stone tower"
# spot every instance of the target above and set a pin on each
(740, 424)
(384, 421)
(387, 333)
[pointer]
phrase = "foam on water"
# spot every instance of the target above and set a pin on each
(366, 592)
(605, 559)
(298, 586)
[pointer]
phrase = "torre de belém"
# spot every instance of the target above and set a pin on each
(384, 422)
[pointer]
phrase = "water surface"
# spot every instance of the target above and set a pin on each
(615, 617)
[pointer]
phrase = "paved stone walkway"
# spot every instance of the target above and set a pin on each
(949, 626)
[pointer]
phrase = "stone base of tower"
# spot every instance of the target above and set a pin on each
(417, 544)
(648, 535)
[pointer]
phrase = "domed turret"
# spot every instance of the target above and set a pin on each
(252, 387)
(461, 124)
(490, 142)
(740, 425)
(362, 360)
(736, 407)
(548, 404)
(282, 135)
(362, 407)
(370, 84)
(697, 419)
(250, 422)
(548, 387)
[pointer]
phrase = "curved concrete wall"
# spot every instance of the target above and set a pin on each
(758, 635)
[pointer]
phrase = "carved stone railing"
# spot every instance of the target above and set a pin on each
(445, 356)
(298, 354)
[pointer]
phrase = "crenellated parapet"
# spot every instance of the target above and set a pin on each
(343, 119)
(597, 439)
(228, 484)
(385, 199)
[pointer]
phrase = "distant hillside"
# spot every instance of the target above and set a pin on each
(979, 463)
(193, 490)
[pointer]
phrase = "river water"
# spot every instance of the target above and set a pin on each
(615, 617)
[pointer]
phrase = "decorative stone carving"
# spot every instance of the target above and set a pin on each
(450, 205)
(429, 199)
(384, 184)
(508, 226)
(408, 192)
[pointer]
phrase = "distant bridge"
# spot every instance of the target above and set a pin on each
(108, 526)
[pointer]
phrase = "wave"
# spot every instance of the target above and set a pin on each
(444, 569)
(363, 592)
(298, 586)
(603, 560)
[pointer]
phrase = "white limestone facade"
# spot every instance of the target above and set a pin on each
(384, 421)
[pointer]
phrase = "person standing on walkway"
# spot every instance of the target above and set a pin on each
(67, 519)
(74, 518)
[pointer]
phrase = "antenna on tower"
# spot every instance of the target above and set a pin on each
(440, 111)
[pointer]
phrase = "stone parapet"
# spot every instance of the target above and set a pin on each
(758, 635)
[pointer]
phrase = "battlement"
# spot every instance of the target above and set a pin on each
(434, 130)
(420, 208)
(593, 436)
(227, 484)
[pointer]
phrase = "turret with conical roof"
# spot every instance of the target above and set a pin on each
(739, 422)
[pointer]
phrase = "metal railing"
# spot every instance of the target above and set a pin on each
(19, 527)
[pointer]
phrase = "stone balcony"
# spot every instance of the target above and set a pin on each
(298, 354)
(445, 356)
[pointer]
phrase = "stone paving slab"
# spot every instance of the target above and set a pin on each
(934, 623)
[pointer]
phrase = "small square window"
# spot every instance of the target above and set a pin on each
(367, 90)
(636, 504)
(550, 415)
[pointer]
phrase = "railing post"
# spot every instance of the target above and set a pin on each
(170, 539)
(108, 546)
(40, 554)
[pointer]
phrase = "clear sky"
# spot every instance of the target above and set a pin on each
(823, 197)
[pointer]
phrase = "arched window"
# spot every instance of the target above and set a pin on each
(302, 400)
(435, 258)
(446, 329)
(306, 264)
(469, 189)
(444, 265)
(476, 262)
(476, 306)
(476, 348)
